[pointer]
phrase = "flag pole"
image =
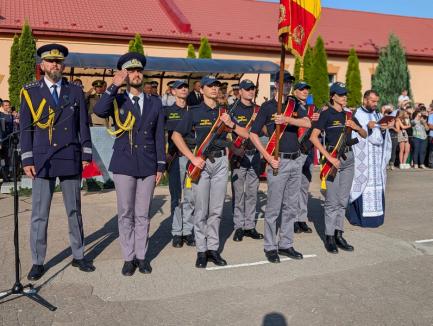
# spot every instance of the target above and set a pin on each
(279, 103)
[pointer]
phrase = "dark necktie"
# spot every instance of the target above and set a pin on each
(136, 105)
(55, 95)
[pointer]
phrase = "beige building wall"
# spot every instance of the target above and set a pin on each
(420, 72)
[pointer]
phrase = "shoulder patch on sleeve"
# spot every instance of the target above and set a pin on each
(32, 84)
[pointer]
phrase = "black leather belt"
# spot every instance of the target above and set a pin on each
(290, 156)
(250, 151)
(346, 150)
(217, 153)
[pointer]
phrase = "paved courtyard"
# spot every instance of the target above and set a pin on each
(387, 280)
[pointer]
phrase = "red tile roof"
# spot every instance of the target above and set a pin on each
(227, 23)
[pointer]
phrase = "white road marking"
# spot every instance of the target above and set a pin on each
(252, 264)
(424, 241)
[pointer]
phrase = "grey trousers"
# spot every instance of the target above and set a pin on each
(283, 196)
(337, 195)
(133, 204)
(183, 213)
(42, 193)
(245, 185)
(209, 196)
(307, 170)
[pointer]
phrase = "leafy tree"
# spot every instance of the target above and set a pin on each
(14, 82)
(191, 52)
(26, 56)
(136, 44)
(392, 74)
(318, 75)
(205, 50)
(353, 81)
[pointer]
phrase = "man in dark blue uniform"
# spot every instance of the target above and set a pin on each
(182, 207)
(138, 159)
(245, 168)
(210, 190)
(55, 143)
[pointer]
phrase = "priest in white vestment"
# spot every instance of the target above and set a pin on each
(372, 154)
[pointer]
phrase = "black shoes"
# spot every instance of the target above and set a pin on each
(129, 268)
(83, 265)
(299, 227)
(189, 240)
(290, 252)
(144, 266)
(330, 244)
(252, 233)
(201, 261)
(239, 235)
(272, 256)
(177, 241)
(36, 272)
(341, 242)
(215, 257)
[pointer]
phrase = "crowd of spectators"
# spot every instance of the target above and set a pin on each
(9, 122)
(412, 134)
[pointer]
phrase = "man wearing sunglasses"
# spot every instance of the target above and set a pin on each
(245, 168)
(333, 121)
(138, 159)
(182, 207)
(56, 145)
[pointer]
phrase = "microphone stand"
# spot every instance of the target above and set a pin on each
(18, 289)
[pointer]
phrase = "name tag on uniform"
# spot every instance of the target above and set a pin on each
(205, 122)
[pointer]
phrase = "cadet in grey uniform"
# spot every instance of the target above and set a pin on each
(245, 168)
(58, 146)
(92, 97)
(182, 199)
(283, 189)
(333, 122)
(210, 190)
(300, 92)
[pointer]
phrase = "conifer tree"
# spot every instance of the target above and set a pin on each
(191, 52)
(318, 75)
(205, 50)
(353, 80)
(392, 73)
(136, 44)
(26, 56)
(14, 82)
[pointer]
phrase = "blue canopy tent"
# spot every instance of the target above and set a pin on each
(104, 65)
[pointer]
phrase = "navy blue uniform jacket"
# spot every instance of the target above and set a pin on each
(70, 143)
(146, 155)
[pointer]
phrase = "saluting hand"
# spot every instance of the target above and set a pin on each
(120, 77)
(227, 120)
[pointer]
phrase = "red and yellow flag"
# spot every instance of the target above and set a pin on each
(296, 24)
